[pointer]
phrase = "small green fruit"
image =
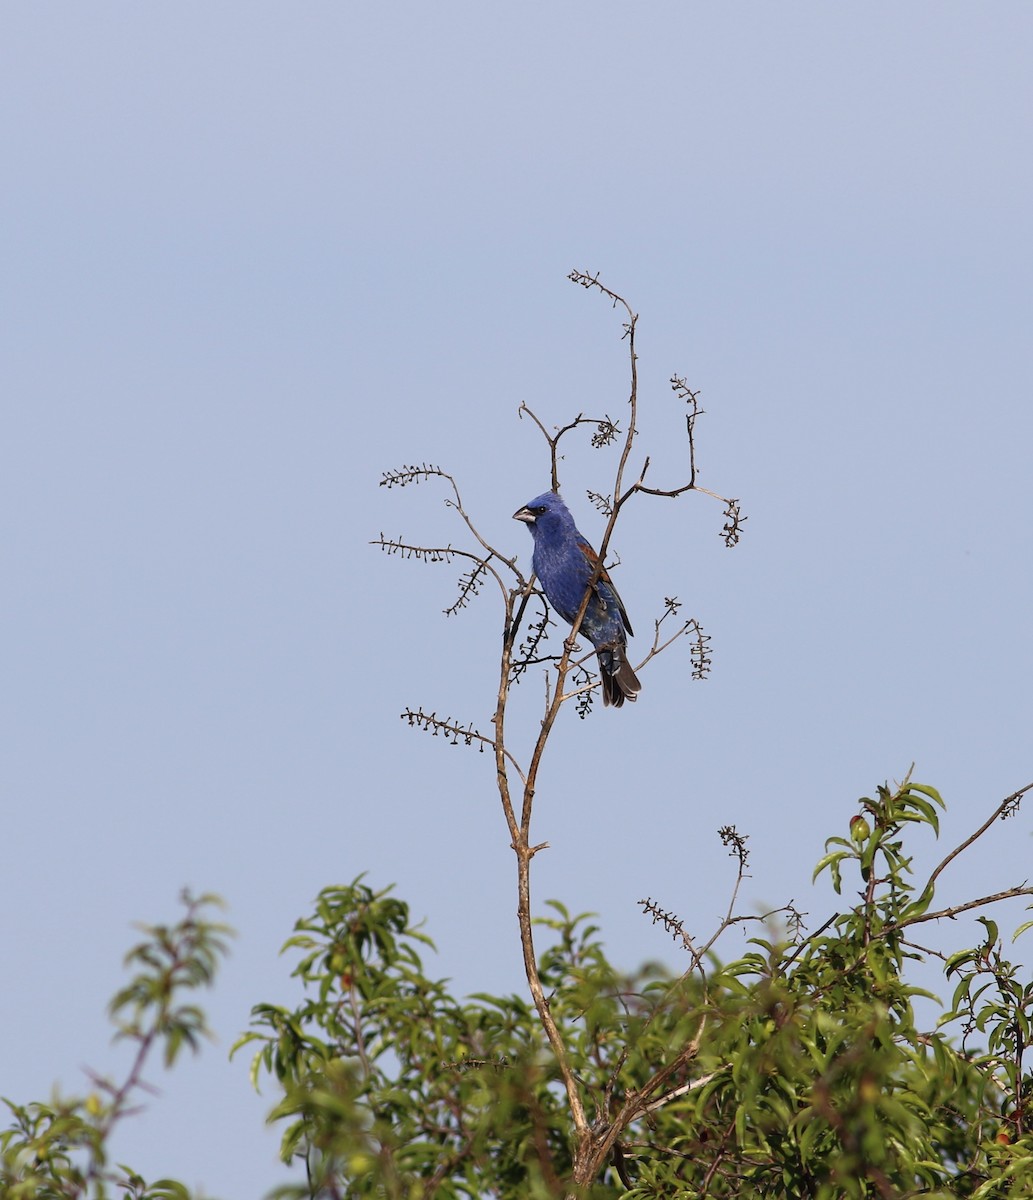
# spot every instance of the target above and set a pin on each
(860, 830)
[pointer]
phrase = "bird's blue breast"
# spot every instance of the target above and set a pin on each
(564, 572)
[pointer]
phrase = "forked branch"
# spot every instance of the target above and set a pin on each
(522, 647)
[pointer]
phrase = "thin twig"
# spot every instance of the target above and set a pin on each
(1009, 894)
(1004, 809)
(681, 1091)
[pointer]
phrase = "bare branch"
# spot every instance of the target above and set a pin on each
(453, 732)
(1008, 894)
(681, 1091)
(589, 281)
(670, 921)
(585, 682)
(457, 503)
(418, 474)
(732, 529)
(445, 554)
(603, 504)
(691, 398)
(1007, 807)
(569, 678)
(469, 586)
(410, 474)
(432, 554)
(527, 652)
(606, 432)
(700, 652)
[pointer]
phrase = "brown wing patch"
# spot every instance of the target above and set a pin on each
(593, 558)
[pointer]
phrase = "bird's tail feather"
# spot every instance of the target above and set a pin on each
(620, 682)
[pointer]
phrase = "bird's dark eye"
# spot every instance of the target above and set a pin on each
(538, 510)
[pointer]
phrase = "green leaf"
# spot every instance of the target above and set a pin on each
(926, 790)
(831, 862)
(991, 929)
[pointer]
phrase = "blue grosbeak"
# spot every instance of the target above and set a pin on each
(564, 563)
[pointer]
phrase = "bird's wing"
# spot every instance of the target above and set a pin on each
(604, 577)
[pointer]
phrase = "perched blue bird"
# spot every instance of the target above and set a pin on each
(565, 563)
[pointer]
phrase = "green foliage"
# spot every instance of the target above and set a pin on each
(387, 1079)
(60, 1149)
(798, 1070)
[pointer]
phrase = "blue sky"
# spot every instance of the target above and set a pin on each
(254, 255)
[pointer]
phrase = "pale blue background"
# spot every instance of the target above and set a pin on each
(254, 254)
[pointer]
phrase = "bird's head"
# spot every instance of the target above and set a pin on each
(544, 512)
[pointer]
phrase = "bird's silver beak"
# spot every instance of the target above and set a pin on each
(525, 515)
